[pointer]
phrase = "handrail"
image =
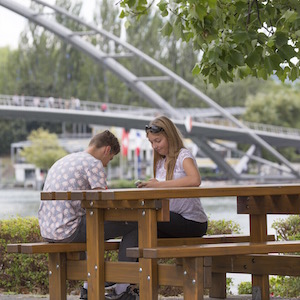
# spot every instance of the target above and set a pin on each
(60, 103)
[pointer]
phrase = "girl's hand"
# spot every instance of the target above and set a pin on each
(151, 183)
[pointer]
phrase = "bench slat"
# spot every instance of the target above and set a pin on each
(219, 249)
(208, 239)
(45, 247)
(13, 248)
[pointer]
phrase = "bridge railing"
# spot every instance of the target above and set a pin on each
(255, 126)
(76, 104)
(73, 103)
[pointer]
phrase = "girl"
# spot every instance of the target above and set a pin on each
(175, 166)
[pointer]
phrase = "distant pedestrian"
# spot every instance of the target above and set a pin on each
(15, 100)
(103, 107)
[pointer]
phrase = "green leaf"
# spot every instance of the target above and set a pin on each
(196, 69)
(268, 64)
(177, 29)
(287, 52)
(127, 24)
(262, 73)
(130, 3)
(240, 36)
(200, 12)
(162, 5)
(290, 15)
(167, 29)
(243, 72)
(214, 80)
(275, 61)
(164, 13)
(281, 38)
(294, 74)
(236, 58)
(122, 14)
(212, 3)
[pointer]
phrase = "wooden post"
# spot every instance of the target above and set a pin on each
(95, 253)
(148, 269)
(258, 233)
(57, 276)
(193, 279)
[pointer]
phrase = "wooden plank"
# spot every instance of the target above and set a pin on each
(258, 233)
(63, 195)
(267, 204)
(45, 247)
(76, 270)
(193, 279)
(192, 192)
(168, 274)
(132, 215)
(120, 215)
(213, 239)
(122, 272)
(125, 204)
(208, 239)
(260, 264)
(148, 270)
(189, 192)
(57, 276)
(13, 248)
(218, 287)
(222, 249)
(95, 253)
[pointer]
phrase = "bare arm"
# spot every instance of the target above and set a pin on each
(191, 179)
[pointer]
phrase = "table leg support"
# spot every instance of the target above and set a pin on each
(57, 276)
(95, 256)
(218, 287)
(193, 279)
(148, 277)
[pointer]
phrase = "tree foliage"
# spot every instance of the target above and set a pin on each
(44, 150)
(280, 107)
(235, 38)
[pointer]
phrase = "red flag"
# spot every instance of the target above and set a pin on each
(125, 142)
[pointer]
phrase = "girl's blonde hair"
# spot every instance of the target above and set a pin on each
(175, 142)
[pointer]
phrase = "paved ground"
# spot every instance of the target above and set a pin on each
(76, 297)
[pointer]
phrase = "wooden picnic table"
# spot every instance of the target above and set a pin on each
(149, 206)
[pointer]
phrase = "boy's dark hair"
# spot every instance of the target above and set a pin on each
(106, 138)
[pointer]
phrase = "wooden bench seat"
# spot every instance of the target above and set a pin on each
(46, 247)
(198, 274)
(113, 244)
(217, 249)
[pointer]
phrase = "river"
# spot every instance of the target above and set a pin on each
(25, 203)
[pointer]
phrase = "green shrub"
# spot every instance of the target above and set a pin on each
(223, 227)
(284, 286)
(121, 184)
(286, 229)
(23, 273)
(18, 272)
(245, 288)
